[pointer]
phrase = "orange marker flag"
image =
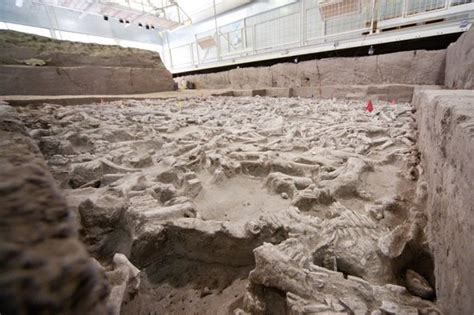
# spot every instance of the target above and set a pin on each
(370, 106)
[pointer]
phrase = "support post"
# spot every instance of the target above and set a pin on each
(302, 23)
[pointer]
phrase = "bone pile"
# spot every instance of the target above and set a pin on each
(226, 205)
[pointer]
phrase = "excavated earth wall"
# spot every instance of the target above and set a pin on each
(412, 67)
(35, 65)
(446, 142)
(460, 62)
(44, 267)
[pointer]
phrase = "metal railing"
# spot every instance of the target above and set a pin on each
(302, 25)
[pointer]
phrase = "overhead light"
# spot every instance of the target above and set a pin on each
(371, 50)
(19, 3)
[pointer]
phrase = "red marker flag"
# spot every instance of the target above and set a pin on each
(370, 106)
(393, 102)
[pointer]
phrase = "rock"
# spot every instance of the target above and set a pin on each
(418, 285)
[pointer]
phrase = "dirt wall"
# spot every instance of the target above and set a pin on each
(445, 122)
(411, 67)
(460, 62)
(44, 268)
(35, 65)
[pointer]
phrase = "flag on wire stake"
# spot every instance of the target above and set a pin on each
(370, 106)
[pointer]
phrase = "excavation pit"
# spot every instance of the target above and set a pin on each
(222, 201)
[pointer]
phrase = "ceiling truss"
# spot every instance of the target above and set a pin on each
(164, 14)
